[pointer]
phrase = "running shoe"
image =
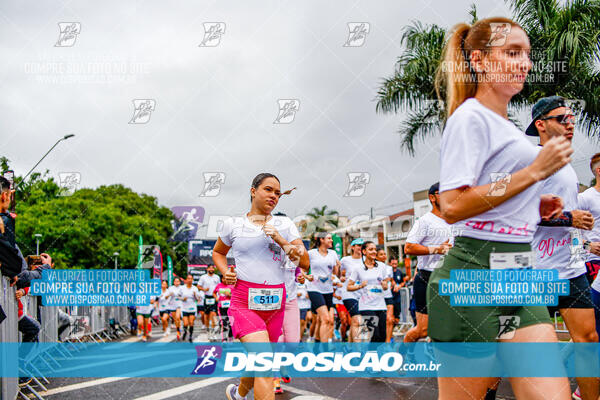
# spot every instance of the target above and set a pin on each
(277, 386)
(178, 336)
(144, 339)
(337, 334)
(230, 392)
(24, 381)
(576, 395)
(286, 379)
(190, 339)
(168, 332)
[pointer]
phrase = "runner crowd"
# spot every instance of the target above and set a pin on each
(500, 199)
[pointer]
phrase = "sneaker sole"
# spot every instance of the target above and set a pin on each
(227, 391)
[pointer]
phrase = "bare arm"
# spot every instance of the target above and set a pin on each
(416, 249)
(352, 286)
(220, 259)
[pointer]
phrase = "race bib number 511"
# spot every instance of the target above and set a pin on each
(265, 299)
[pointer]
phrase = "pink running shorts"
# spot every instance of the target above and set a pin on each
(246, 321)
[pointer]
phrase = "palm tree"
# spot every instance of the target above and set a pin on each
(568, 34)
(321, 220)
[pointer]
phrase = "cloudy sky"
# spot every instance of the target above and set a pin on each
(215, 105)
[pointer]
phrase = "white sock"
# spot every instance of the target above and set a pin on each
(238, 396)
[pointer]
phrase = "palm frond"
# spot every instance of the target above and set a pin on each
(420, 124)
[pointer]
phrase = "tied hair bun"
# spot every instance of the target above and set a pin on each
(288, 191)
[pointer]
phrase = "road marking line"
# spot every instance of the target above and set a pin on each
(165, 394)
(306, 392)
(81, 385)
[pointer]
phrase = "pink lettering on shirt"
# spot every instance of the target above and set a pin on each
(547, 246)
(506, 230)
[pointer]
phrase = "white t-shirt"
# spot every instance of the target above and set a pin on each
(145, 309)
(387, 294)
(371, 296)
(321, 268)
(189, 297)
(210, 282)
(348, 264)
(163, 301)
(477, 147)
(590, 201)
(303, 300)
(258, 258)
(291, 286)
(552, 245)
(430, 230)
(174, 300)
(338, 292)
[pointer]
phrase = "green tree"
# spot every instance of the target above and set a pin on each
(320, 220)
(83, 230)
(558, 31)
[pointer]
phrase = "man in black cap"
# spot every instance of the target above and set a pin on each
(558, 245)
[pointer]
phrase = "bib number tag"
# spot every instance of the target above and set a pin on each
(209, 301)
(578, 252)
(265, 299)
(375, 290)
(516, 260)
(225, 303)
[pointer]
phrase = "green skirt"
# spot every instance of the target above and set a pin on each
(449, 323)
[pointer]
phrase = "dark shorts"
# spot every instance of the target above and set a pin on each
(319, 299)
(223, 311)
(397, 307)
(143, 315)
(164, 312)
(173, 311)
(209, 308)
(389, 301)
(188, 314)
(352, 307)
(579, 295)
(449, 323)
(200, 308)
(379, 329)
(420, 290)
(303, 312)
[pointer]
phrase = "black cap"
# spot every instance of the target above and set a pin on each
(542, 107)
(434, 188)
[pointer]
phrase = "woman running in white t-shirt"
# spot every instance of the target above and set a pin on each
(163, 306)
(260, 243)
(324, 263)
(189, 297)
(490, 190)
(371, 282)
(175, 305)
(387, 294)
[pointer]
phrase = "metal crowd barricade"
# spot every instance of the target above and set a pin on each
(86, 322)
(9, 387)
(405, 318)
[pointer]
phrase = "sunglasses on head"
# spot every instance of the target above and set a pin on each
(562, 118)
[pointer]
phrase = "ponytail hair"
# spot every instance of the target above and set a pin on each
(455, 78)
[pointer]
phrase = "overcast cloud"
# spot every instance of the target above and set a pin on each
(215, 106)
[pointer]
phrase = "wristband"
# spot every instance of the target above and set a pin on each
(566, 219)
